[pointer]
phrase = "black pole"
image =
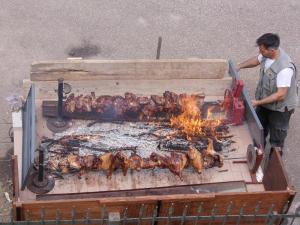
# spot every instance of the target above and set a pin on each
(60, 94)
(41, 165)
(158, 48)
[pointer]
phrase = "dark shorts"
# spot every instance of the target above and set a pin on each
(276, 123)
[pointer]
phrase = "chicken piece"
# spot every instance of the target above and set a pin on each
(148, 110)
(178, 161)
(199, 99)
(158, 100)
(130, 96)
(79, 103)
(70, 103)
(105, 163)
(143, 100)
(161, 161)
(181, 100)
(171, 102)
(94, 101)
(120, 161)
(74, 162)
(53, 165)
(148, 164)
(104, 104)
(135, 162)
(195, 159)
(210, 157)
(89, 162)
(63, 166)
(87, 103)
(132, 104)
(120, 105)
(175, 163)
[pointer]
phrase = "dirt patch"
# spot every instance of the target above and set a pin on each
(86, 49)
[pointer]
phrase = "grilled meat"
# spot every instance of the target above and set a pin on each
(148, 110)
(175, 163)
(210, 157)
(105, 162)
(120, 105)
(89, 162)
(148, 164)
(64, 166)
(143, 100)
(74, 162)
(70, 104)
(120, 161)
(130, 105)
(162, 161)
(178, 161)
(135, 162)
(195, 159)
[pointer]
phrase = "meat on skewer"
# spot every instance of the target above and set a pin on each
(195, 159)
(105, 163)
(120, 161)
(210, 157)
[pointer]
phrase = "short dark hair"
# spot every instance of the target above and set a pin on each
(268, 40)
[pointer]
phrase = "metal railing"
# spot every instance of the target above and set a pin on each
(199, 217)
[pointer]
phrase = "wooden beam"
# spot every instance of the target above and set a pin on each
(129, 69)
(15, 177)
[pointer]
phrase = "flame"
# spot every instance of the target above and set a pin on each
(190, 122)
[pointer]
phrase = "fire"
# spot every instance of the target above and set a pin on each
(190, 122)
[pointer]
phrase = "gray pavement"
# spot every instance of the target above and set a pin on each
(35, 30)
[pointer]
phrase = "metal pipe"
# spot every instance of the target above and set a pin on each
(41, 165)
(158, 48)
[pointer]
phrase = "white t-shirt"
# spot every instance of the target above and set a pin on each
(284, 77)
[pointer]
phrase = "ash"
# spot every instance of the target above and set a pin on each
(144, 137)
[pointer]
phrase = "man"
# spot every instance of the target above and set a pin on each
(276, 92)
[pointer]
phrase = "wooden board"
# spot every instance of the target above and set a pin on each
(275, 177)
(129, 69)
(97, 181)
(236, 186)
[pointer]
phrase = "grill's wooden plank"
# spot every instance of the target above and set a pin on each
(129, 69)
(236, 186)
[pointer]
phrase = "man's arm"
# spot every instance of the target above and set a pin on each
(249, 63)
(278, 96)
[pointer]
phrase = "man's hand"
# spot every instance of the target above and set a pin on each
(255, 103)
(280, 95)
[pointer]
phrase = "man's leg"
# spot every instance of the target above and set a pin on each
(262, 114)
(279, 125)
